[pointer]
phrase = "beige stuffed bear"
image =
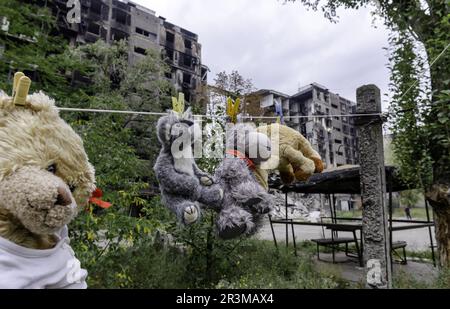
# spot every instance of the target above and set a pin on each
(45, 176)
(297, 160)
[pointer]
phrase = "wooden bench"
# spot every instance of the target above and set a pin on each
(334, 244)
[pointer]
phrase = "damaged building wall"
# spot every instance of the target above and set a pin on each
(183, 53)
(334, 137)
(113, 20)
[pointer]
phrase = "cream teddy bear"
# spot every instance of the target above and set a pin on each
(45, 176)
(296, 158)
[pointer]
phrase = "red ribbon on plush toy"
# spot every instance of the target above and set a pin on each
(240, 155)
(96, 199)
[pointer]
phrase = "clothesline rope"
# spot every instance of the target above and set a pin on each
(111, 111)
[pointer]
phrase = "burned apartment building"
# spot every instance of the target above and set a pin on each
(114, 20)
(334, 137)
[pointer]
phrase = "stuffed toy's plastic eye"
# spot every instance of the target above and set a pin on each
(52, 168)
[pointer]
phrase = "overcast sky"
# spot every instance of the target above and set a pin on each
(282, 47)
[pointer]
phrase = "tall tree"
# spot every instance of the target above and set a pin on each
(427, 23)
(232, 85)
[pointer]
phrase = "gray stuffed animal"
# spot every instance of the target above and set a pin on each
(183, 185)
(245, 200)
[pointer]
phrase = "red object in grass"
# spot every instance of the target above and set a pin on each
(96, 199)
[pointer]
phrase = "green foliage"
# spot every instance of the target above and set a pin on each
(257, 264)
(30, 45)
(410, 197)
(408, 107)
(422, 144)
(100, 237)
(119, 86)
(233, 84)
(114, 143)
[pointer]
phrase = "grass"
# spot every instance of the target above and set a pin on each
(256, 264)
(404, 280)
(398, 213)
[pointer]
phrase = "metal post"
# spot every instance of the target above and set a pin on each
(286, 215)
(376, 243)
(430, 232)
(273, 232)
(331, 207)
(389, 176)
(334, 214)
(293, 237)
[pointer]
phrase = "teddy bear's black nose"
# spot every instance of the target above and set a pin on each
(64, 198)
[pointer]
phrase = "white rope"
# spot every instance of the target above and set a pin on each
(112, 111)
(313, 116)
(108, 111)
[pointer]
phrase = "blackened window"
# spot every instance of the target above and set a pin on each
(96, 7)
(186, 78)
(146, 33)
(345, 129)
(121, 17)
(169, 54)
(188, 44)
(187, 61)
(139, 50)
(117, 35)
(93, 28)
(170, 37)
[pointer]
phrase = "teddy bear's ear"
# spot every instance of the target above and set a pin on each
(4, 99)
(39, 101)
(20, 97)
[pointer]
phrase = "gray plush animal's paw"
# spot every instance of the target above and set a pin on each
(264, 206)
(252, 201)
(233, 231)
(234, 222)
(211, 195)
(191, 214)
(206, 181)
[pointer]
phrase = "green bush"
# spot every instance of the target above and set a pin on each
(256, 264)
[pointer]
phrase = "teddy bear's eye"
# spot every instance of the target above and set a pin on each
(52, 168)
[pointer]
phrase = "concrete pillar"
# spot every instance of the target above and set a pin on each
(376, 243)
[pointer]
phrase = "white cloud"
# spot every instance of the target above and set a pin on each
(283, 46)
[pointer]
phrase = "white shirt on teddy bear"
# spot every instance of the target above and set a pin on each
(25, 268)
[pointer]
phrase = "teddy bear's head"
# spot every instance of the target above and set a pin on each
(44, 170)
(244, 138)
(181, 128)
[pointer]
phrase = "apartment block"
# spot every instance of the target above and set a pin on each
(113, 20)
(315, 112)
